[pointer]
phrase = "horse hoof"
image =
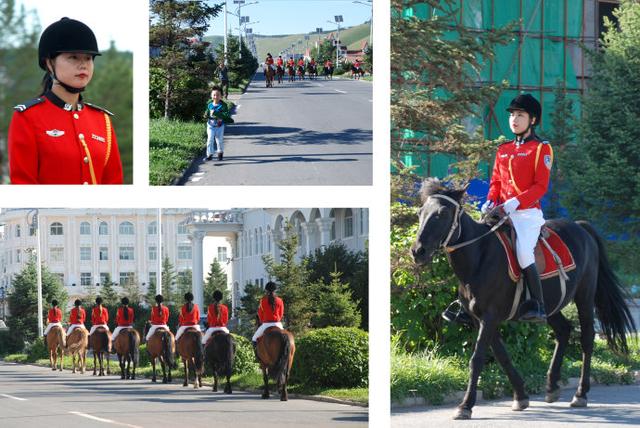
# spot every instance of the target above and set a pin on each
(520, 405)
(185, 384)
(283, 398)
(462, 414)
(121, 376)
(265, 396)
(154, 381)
(553, 396)
(578, 402)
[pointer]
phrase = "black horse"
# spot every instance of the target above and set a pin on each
(219, 353)
(487, 292)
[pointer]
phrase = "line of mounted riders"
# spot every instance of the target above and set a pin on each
(276, 68)
(274, 346)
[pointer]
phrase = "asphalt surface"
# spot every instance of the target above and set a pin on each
(608, 406)
(297, 133)
(32, 396)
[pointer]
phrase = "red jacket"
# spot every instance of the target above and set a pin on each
(51, 144)
(212, 316)
(120, 317)
(189, 318)
(266, 314)
(521, 171)
(159, 317)
(78, 316)
(99, 316)
(55, 315)
(279, 62)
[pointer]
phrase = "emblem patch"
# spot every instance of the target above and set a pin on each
(55, 133)
(547, 161)
(97, 137)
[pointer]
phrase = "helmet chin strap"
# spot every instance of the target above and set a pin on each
(520, 136)
(66, 87)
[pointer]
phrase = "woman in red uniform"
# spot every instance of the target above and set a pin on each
(270, 312)
(124, 317)
(100, 318)
(57, 138)
(77, 317)
(189, 316)
(159, 317)
(54, 317)
(217, 317)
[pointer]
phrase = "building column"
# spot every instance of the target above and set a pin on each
(197, 238)
(307, 229)
(324, 224)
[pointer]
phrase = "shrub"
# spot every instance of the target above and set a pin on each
(245, 361)
(37, 350)
(332, 357)
(10, 343)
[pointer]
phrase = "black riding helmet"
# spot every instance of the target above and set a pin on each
(124, 301)
(271, 286)
(217, 295)
(66, 35)
(528, 103)
(188, 297)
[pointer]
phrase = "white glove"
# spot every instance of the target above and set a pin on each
(487, 206)
(511, 205)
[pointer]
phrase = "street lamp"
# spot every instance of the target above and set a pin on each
(318, 31)
(337, 20)
(238, 13)
(35, 224)
(370, 4)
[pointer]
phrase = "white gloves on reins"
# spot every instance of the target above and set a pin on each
(511, 205)
(486, 207)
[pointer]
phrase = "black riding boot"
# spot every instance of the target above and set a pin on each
(533, 309)
(455, 313)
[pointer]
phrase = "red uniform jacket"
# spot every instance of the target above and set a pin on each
(279, 62)
(301, 63)
(356, 64)
(269, 61)
(51, 144)
(78, 315)
(291, 63)
(212, 316)
(159, 317)
(189, 318)
(99, 316)
(120, 317)
(266, 314)
(521, 171)
(55, 315)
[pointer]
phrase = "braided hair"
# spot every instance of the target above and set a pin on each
(189, 298)
(125, 308)
(271, 288)
(217, 296)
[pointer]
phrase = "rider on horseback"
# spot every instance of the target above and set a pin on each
(270, 312)
(54, 317)
(76, 317)
(268, 62)
(124, 318)
(189, 316)
(279, 61)
(217, 317)
(159, 317)
(519, 180)
(100, 318)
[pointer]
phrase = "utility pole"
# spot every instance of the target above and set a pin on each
(225, 39)
(319, 31)
(35, 222)
(337, 20)
(159, 274)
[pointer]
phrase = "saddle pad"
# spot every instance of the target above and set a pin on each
(550, 267)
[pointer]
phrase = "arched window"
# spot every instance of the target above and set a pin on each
(348, 223)
(103, 229)
(269, 238)
(152, 228)
(332, 216)
(126, 228)
(257, 237)
(56, 229)
(85, 228)
(261, 246)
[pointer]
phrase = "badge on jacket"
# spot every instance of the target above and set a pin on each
(547, 161)
(55, 133)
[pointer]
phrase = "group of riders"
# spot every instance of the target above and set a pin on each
(301, 67)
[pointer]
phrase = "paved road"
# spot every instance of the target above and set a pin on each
(33, 396)
(608, 406)
(297, 133)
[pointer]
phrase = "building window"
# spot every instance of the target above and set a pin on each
(32, 230)
(103, 277)
(348, 223)
(332, 215)
(56, 229)
(17, 231)
(152, 228)
(85, 279)
(182, 229)
(153, 277)
(56, 255)
(104, 253)
(85, 253)
(184, 252)
(60, 277)
(18, 256)
(153, 253)
(85, 228)
(126, 253)
(268, 239)
(261, 245)
(126, 278)
(222, 254)
(126, 228)
(103, 229)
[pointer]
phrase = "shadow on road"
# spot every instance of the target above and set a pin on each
(268, 135)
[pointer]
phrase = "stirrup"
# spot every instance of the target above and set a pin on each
(534, 313)
(458, 315)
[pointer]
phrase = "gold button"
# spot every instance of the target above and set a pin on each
(86, 159)
(85, 183)
(81, 136)
(75, 115)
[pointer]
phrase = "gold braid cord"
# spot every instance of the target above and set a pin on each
(107, 121)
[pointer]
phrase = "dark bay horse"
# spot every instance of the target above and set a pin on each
(292, 73)
(77, 343)
(328, 73)
(99, 343)
(275, 351)
(56, 345)
(268, 75)
(280, 73)
(192, 353)
(300, 72)
(219, 352)
(127, 346)
(312, 71)
(487, 292)
(161, 346)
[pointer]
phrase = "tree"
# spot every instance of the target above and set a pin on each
(292, 278)
(327, 52)
(109, 294)
(248, 310)
(131, 289)
(23, 299)
(91, 292)
(150, 295)
(216, 280)
(334, 305)
(368, 59)
(241, 67)
(185, 284)
(168, 281)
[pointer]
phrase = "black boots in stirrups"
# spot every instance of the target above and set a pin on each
(455, 313)
(533, 310)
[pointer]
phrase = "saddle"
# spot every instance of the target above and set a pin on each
(269, 330)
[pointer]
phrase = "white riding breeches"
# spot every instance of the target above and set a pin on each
(212, 330)
(117, 331)
(260, 331)
(184, 327)
(154, 328)
(50, 326)
(73, 327)
(527, 224)
(94, 327)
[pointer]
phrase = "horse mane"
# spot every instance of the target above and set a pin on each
(433, 186)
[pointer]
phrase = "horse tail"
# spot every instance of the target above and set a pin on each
(61, 339)
(166, 349)
(281, 367)
(104, 341)
(134, 350)
(199, 353)
(228, 355)
(611, 308)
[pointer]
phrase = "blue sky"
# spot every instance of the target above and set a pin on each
(293, 16)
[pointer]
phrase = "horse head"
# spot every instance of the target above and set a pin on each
(439, 217)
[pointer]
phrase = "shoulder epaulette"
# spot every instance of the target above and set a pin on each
(28, 104)
(99, 108)
(545, 142)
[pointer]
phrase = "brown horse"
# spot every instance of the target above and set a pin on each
(55, 343)
(127, 346)
(190, 350)
(161, 346)
(280, 73)
(275, 351)
(292, 73)
(99, 342)
(268, 74)
(220, 351)
(77, 343)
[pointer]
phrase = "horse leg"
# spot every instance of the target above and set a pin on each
(587, 335)
(562, 330)
(106, 354)
(61, 358)
(121, 363)
(133, 374)
(520, 398)
(227, 388)
(215, 381)
(186, 372)
(284, 396)
(95, 364)
(84, 361)
(265, 378)
(153, 370)
(488, 329)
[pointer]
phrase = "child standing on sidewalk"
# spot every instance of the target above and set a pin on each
(218, 115)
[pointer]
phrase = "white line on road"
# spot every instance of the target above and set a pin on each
(338, 90)
(15, 398)
(108, 421)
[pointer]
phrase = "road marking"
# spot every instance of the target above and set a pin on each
(338, 90)
(108, 421)
(15, 398)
